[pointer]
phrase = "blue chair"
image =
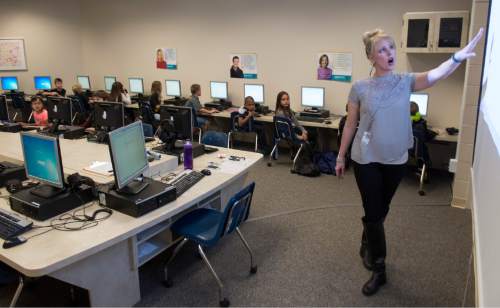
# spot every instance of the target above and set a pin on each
(217, 139)
(206, 227)
(148, 129)
(9, 275)
(248, 129)
(283, 131)
(196, 125)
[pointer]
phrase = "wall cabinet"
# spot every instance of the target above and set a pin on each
(434, 32)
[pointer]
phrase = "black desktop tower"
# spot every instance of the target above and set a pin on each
(10, 171)
(39, 208)
(198, 150)
(10, 127)
(155, 195)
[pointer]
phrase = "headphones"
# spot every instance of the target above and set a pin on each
(94, 215)
(75, 180)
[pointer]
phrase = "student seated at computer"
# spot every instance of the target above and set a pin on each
(194, 103)
(39, 113)
(283, 109)
(58, 90)
(420, 132)
(246, 123)
(155, 99)
(119, 94)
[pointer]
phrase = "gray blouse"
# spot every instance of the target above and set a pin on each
(384, 134)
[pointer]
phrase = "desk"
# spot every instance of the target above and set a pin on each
(105, 259)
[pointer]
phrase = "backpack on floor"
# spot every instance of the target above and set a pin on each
(326, 162)
(305, 165)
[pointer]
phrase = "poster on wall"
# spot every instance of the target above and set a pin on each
(335, 66)
(243, 65)
(12, 54)
(166, 58)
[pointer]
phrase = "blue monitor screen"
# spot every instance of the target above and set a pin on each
(42, 83)
(41, 159)
(10, 83)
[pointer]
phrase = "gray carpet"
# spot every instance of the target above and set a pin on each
(305, 234)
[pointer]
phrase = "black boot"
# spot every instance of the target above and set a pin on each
(377, 248)
(364, 253)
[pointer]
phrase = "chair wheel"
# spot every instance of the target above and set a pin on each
(167, 283)
(224, 303)
(421, 192)
(269, 164)
(253, 269)
(291, 171)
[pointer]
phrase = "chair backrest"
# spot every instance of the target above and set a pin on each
(213, 138)
(283, 128)
(146, 112)
(194, 116)
(237, 210)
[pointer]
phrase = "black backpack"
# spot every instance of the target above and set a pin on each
(304, 164)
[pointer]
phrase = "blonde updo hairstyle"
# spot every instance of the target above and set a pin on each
(370, 38)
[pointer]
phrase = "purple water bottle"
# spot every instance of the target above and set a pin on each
(188, 155)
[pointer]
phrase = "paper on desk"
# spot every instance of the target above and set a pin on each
(100, 167)
(234, 167)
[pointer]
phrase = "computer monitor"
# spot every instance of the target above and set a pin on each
(108, 82)
(84, 81)
(136, 85)
(42, 161)
(178, 120)
(256, 91)
(42, 83)
(4, 113)
(108, 115)
(10, 83)
(173, 87)
(59, 110)
(421, 99)
(218, 90)
(313, 97)
(128, 156)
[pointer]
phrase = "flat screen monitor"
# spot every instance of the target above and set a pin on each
(59, 109)
(313, 97)
(256, 91)
(42, 158)
(42, 83)
(10, 83)
(108, 115)
(179, 120)
(173, 87)
(84, 81)
(136, 85)
(218, 90)
(128, 154)
(108, 82)
(421, 99)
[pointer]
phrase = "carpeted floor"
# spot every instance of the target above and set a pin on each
(305, 234)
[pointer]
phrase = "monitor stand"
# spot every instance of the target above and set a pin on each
(133, 188)
(46, 191)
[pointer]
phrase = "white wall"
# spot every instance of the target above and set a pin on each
(119, 38)
(52, 34)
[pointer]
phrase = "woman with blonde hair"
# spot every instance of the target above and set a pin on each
(381, 103)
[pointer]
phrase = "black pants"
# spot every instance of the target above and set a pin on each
(377, 184)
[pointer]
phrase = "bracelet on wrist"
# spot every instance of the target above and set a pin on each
(454, 59)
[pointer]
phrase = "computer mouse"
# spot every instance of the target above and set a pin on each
(206, 172)
(12, 242)
(328, 122)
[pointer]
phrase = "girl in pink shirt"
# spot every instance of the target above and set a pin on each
(39, 112)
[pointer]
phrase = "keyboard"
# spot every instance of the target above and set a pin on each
(310, 119)
(186, 180)
(12, 225)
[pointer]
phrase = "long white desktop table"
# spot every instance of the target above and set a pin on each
(105, 259)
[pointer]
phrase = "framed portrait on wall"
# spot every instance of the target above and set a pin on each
(12, 54)
(243, 65)
(166, 58)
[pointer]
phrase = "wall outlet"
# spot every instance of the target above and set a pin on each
(452, 167)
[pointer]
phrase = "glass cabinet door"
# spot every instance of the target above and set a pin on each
(418, 33)
(450, 32)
